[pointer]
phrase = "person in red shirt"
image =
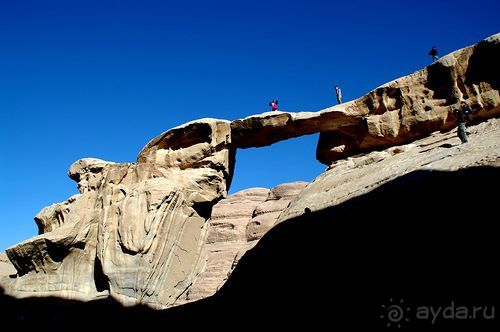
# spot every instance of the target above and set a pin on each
(274, 105)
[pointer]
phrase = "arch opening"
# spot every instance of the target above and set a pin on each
(285, 161)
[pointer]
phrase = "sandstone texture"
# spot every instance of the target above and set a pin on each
(237, 223)
(395, 113)
(159, 231)
(135, 231)
(355, 176)
(6, 268)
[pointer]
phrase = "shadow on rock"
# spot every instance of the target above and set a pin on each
(427, 238)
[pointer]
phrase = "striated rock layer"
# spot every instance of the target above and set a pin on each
(237, 223)
(425, 234)
(416, 105)
(407, 225)
(138, 231)
(395, 113)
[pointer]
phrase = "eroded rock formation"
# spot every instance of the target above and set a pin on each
(355, 176)
(237, 223)
(6, 268)
(138, 231)
(426, 234)
(395, 113)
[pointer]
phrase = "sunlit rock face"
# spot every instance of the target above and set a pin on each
(6, 267)
(397, 112)
(237, 223)
(416, 105)
(148, 232)
(355, 176)
(136, 231)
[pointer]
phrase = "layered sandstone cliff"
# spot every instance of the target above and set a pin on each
(136, 231)
(148, 232)
(237, 223)
(415, 222)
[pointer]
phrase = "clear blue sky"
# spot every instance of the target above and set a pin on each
(101, 78)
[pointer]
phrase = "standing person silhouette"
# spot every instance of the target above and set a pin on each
(338, 91)
(274, 105)
(434, 53)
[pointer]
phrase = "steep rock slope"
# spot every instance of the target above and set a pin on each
(358, 175)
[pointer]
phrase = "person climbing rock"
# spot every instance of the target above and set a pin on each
(434, 53)
(274, 105)
(462, 116)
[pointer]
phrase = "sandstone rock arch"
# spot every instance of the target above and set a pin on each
(137, 231)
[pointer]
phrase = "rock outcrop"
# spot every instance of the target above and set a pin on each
(6, 268)
(355, 176)
(428, 236)
(138, 232)
(236, 224)
(395, 113)
(408, 225)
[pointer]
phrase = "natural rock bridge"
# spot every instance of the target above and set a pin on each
(394, 113)
(138, 231)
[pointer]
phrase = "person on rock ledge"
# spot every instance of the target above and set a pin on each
(434, 54)
(338, 92)
(274, 105)
(462, 116)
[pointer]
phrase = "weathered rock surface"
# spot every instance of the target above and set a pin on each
(136, 231)
(416, 105)
(414, 238)
(424, 231)
(6, 268)
(202, 143)
(358, 175)
(267, 213)
(237, 223)
(395, 113)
